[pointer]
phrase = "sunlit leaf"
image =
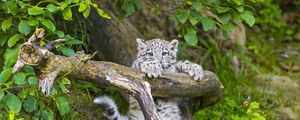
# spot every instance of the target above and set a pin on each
(52, 8)
(65, 81)
(35, 11)
(86, 13)
(13, 40)
(248, 17)
(49, 24)
(6, 24)
(13, 102)
(82, 7)
(102, 13)
(67, 13)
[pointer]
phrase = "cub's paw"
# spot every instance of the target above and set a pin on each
(193, 70)
(151, 68)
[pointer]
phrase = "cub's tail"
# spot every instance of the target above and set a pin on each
(109, 108)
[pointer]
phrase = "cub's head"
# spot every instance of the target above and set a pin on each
(157, 49)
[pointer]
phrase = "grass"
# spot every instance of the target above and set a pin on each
(242, 98)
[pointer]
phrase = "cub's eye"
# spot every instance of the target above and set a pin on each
(150, 53)
(165, 53)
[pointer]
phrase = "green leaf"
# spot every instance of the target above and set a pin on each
(75, 1)
(74, 42)
(23, 93)
(237, 2)
(13, 102)
(191, 37)
(67, 51)
(52, 8)
(248, 17)
(23, 5)
(1, 94)
(227, 26)
(82, 7)
(197, 5)
(32, 22)
(33, 80)
(86, 13)
(240, 9)
(48, 24)
(65, 81)
(29, 69)
(62, 104)
(30, 104)
(32, 90)
(193, 20)
(60, 34)
(11, 7)
(13, 40)
(35, 11)
(208, 23)
(20, 78)
(128, 7)
(222, 9)
(102, 13)
(44, 114)
(24, 27)
(182, 15)
(11, 55)
(4, 75)
(63, 88)
(67, 13)
(6, 24)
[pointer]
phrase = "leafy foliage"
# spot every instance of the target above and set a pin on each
(18, 20)
(19, 93)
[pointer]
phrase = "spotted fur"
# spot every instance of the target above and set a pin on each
(154, 57)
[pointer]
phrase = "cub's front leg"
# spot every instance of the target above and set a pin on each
(190, 68)
(151, 68)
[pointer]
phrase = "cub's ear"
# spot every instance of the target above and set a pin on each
(173, 45)
(140, 44)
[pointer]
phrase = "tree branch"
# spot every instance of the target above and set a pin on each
(50, 66)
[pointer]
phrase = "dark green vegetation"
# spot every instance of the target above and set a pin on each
(260, 74)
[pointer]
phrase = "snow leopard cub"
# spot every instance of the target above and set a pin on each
(154, 57)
